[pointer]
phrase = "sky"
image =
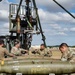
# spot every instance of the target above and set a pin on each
(57, 25)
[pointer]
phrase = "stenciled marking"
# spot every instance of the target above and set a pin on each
(37, 69)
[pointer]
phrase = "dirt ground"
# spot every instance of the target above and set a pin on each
(56, 54)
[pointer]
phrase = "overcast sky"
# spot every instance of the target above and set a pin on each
(57, 25)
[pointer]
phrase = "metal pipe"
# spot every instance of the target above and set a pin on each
(64, 9)
(43, 37)
(18, 8)
(18, 24)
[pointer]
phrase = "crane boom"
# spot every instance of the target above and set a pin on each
(64, 9)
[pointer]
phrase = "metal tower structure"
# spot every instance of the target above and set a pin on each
(24, 22)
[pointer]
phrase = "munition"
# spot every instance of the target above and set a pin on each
(30, 61)
(39, 68)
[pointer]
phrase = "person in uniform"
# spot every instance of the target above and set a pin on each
(42, 51)
(67, 53)
(16, 50)
(4, 51)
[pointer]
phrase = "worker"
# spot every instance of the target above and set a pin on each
(42, 51)
(4, 51)
(67, 53)
(16, 50)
